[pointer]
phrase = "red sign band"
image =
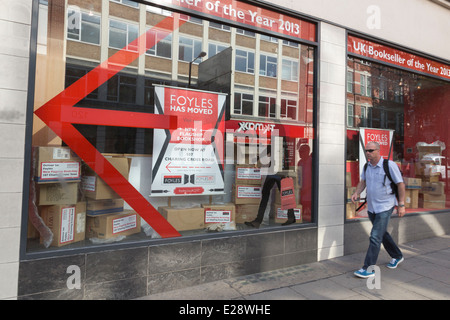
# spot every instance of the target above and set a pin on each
(396, 57)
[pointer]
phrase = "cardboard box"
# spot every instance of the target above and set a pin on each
(54, 164)
(432, 201)
(432, 204)
(98, 207)
(219, 213)
(350, 210)
(57, 193)
(427, 150)
(282, 215)
(246, 212)
(112, 225)
(435, 188)
(412, 183)
(433, 197)
(247, 194)
(67, 222)
(248, 174)
(350, 192)
(183, 219)
(95, 188)
(348, 179)
(412, 198)
(430, 178)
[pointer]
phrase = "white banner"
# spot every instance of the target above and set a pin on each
(188, 160)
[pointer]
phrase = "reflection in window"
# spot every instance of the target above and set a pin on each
(266, 107)
(245, 61)
(268, 66)
(290, 70)
(122, 88)
(83, 27)
(243, 103)
(189, 49)
(412, 108)
(162, 41)
(121, 34)
(289, 109)
(214, 49)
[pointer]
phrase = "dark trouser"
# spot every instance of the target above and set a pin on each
(380, 235)
(265, 196)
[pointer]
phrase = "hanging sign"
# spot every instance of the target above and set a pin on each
(397, 57)
(187, 160)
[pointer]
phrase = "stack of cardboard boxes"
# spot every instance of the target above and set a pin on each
(247, 191)
(106, 217)
(74, 202)
(57, 174)
(432, 195)
(412, 188)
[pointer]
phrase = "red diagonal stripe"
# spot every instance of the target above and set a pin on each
(59, 113)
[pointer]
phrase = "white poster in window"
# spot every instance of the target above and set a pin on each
(188, 159)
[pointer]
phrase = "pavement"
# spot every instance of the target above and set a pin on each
(423, 275)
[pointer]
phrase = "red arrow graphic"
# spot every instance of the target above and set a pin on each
(60, 113)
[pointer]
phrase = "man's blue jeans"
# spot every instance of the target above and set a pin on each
(379, 235)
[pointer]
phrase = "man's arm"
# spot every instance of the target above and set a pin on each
(360, 188)
(401, 199)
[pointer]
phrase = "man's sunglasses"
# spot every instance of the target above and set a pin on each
(370, 150)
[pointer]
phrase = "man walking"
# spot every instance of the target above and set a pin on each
(381, 202)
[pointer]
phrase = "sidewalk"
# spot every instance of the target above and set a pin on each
(424, 275)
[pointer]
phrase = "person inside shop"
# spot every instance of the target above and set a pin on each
(268, 184)
(305, 180)
(381, 202)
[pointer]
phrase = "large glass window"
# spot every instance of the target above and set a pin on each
(126, 148)
(411, 111)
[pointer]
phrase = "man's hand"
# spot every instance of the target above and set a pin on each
(401, 211)
(355, 197)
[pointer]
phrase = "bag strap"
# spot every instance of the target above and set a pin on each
(386, 169)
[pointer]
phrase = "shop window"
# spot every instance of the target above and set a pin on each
(409, 113)
(84, 27)
(140, 150)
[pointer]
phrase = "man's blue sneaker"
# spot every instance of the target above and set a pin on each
(394, 263)
(363, 273)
